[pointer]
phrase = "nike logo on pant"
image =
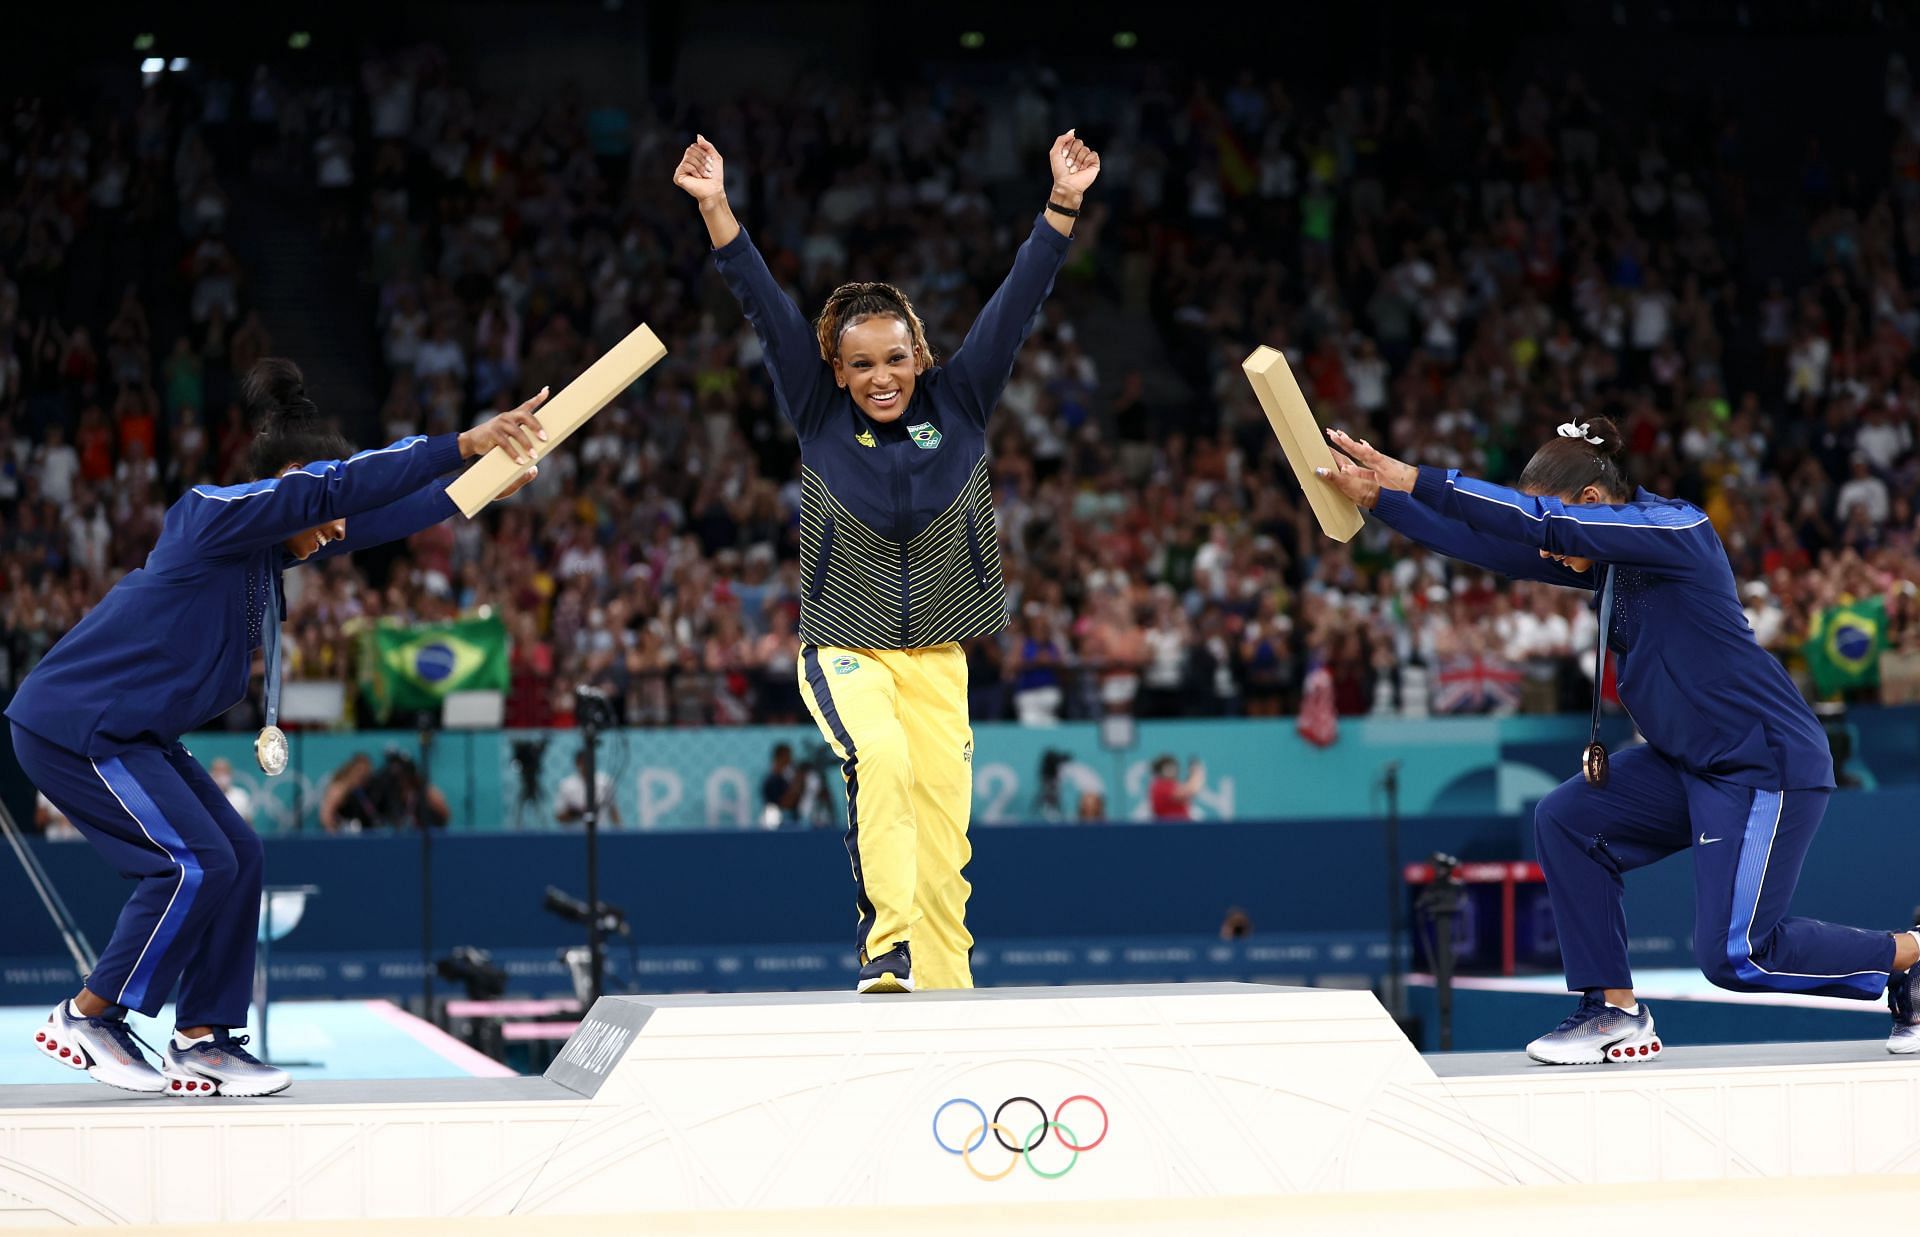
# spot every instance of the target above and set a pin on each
(1707, 841)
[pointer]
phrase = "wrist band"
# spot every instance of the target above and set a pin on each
(1058, 209)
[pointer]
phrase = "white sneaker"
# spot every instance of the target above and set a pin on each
(1596, 1033)
(105, 1047)
(220, 1065)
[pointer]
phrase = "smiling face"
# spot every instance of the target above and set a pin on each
(877, 366)
(302, 545)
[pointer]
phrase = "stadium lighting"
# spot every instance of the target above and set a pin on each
(299, 40)
(142, 42)
(152, 64)
(177, 65)
(1125, 40)
(973, 40)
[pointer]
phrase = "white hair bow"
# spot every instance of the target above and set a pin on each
(1570, 430)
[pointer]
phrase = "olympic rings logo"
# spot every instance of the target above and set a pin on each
(1022, 1148)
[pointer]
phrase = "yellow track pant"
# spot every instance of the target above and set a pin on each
(897, 718)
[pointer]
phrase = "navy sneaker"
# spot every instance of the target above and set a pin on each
(1902, 987)
(220, 1065)
(1596, 1033)
(892, 971)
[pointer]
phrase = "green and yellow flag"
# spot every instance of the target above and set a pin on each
(409, 668)
(1844, 649)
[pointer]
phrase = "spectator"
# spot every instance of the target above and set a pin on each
(1168, 796)
(221, 770)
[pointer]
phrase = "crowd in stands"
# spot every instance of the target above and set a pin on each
(1452, 268)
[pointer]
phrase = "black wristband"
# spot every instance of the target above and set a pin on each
(1058, 209)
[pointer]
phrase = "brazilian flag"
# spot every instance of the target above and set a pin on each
(1844, 649)
(412, 668)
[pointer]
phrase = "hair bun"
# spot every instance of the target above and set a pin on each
(275, 389)
(1611, 443)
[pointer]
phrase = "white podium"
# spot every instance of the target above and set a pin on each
(776, 1101)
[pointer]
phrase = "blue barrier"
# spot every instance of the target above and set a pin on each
(1043, 885)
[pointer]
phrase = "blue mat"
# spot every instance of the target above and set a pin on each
(340, 1039)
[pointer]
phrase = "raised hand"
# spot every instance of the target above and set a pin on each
(515, 431)
(1075, 164)
(1392, 473)
(702, 172)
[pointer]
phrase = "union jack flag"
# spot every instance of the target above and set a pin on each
(1476, 684)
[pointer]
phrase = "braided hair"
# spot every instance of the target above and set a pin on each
(289, 427)
(852, 303)
(1584, 454)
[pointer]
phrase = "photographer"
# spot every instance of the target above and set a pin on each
(570, 801)
(780, 790)
(402, 800)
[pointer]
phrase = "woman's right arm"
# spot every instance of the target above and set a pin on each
(1421, 524)
(802, 386)
(238, 519)
(1382, 489)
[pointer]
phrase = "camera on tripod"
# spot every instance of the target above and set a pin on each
(559, 902)
(592, 708)
(475, 969)
(529, 757)
(1052, 761)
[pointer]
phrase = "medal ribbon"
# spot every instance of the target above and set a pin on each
(270, 644)
(1600, 652)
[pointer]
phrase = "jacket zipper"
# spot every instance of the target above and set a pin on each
(903, 514)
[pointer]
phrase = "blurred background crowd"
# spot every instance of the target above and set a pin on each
(1454, 266)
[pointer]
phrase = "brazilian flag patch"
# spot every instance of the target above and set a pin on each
(845, 664)
(924, 436)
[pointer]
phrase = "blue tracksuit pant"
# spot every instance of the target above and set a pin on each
(155, 814)
(1747, 845)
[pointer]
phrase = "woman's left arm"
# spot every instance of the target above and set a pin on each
(398, 520)
(980, 367)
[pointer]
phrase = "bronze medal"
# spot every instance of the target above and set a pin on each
(1593, 763)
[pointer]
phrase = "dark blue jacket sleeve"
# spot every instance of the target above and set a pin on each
(421, 509)
(1658, 535)
(238, 519)
(1418, 522)
(979, 369)
(802, 383)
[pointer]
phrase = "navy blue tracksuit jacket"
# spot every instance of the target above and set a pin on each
(97, 724)
(1735, 767)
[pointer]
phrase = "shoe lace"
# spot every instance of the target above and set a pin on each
(236, 1046)
(120, 1033)
(1590, 1007)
